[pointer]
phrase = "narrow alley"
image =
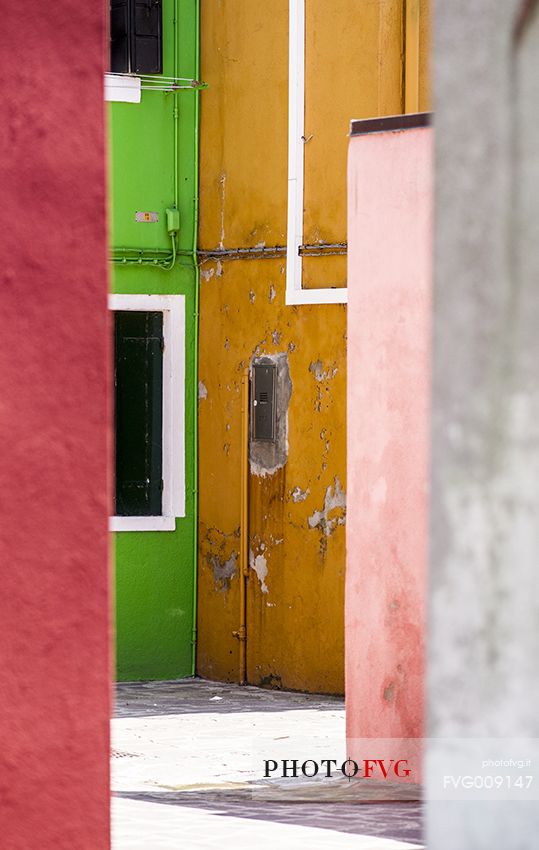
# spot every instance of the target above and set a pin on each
(188, 765)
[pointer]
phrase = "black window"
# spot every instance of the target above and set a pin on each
(136, 45)
(138, 380)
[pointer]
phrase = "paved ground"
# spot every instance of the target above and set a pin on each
(188, 772)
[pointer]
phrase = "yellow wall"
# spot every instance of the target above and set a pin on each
(354, 68)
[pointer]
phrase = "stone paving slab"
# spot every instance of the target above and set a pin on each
(187, 772)
(198, 696)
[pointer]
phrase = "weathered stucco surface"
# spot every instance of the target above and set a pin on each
(389, 280)
(297, 517)
(54, 605)
(484, 581)
(295, 591)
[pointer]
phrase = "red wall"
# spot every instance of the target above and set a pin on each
(54, 597)
(389, 284)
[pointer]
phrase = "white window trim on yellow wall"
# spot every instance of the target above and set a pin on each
(295, 294)
(173, 309)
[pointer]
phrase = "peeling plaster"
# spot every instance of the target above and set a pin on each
(276, 337)
(299, 495)
(316, 367)
(333, 501)
(202, 391)
(207, 275)
(389, 692)
(223, 571)
(260, 566)
(252, 296)
(258, 347)
(272, 293)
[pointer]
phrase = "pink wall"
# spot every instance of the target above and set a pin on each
(389, 280)
(54, 638)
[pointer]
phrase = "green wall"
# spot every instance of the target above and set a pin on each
(155, 571)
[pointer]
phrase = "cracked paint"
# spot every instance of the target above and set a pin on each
(334, 504)
(223, 571)
(389, 692)
(202, 391)
(259, 346)
(310, 658)
(299, 495)
(260, 566)
(321, 374)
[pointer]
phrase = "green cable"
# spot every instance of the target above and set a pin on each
(173, 257)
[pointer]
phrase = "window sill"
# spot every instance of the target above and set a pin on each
(317, 296)
(142, 523)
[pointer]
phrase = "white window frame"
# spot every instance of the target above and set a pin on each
(173, 309)
(295, 294)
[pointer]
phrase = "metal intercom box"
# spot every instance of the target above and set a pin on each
(263, 403)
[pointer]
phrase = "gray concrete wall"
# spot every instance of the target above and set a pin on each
(483, 658)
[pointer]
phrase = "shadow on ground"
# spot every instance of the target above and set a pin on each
(397, 821)
(197, 696)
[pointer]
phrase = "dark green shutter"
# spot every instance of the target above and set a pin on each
(119, 36)
(138, 378)
(146, 41)
(136, 43)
